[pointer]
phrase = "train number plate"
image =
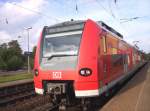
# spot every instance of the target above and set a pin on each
(57, 75)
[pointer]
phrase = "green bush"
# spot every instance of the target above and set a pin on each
(14, 63)
(3, 65)
(31, 63)
(11, 57)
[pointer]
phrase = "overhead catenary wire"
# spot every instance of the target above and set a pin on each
(76, 6)
(99, 3)
(123, 20)
(77, 9)
(115, 1)
(37, 12)
(116, 18)
(110, 14)
(4, 20)
(109, 4)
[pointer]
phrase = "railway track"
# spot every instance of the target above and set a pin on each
(47, 107)
(12, 93)
(20, 96)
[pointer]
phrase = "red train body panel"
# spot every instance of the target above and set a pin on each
(102, 59)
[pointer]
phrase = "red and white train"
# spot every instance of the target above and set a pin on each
(82, 59)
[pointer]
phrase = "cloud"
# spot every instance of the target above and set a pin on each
(21, 11)
(4, 36)
(20, 14)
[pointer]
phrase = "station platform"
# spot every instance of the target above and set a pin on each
(134, 96)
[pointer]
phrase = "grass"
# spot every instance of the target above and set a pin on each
(15, 77)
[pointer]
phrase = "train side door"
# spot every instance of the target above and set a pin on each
(103, 61)
(125, 62)
(104, 45)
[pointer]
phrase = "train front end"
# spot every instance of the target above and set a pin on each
(66, 59)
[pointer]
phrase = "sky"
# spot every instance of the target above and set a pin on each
(17, 15)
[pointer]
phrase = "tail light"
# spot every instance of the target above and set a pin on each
(85, 72)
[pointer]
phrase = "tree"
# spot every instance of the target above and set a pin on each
(33, 52)
(32, 57)
(15, 47)
(14, 63)
(3, 46)
(11, 56)
(3, 49)
(31, 63)
(3, 65)
(148, 56)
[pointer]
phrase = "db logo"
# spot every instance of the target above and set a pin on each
(57, 75)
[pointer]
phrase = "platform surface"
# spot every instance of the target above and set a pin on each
(134, 96)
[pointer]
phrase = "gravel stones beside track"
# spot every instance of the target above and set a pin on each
(28, 104)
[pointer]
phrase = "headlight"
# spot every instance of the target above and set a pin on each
(36, 72)
(85, 72)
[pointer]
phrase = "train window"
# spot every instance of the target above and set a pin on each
(104, 44)
(61, 44)
(116, 64)
(117, 59)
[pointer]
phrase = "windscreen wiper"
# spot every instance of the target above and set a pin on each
(60, 55)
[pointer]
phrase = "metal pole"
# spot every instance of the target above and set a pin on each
(28, 55)
(28, 50)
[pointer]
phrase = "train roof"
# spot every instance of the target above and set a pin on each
(77, 25)
(66, 23)
(110, 29)
(65, 26)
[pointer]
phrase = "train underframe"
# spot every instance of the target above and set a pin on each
(62, 93)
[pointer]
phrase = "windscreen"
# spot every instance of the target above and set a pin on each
(61, 44)
(60, 50)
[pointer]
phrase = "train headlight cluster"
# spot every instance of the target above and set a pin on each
(36, 72)
(85, 72)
